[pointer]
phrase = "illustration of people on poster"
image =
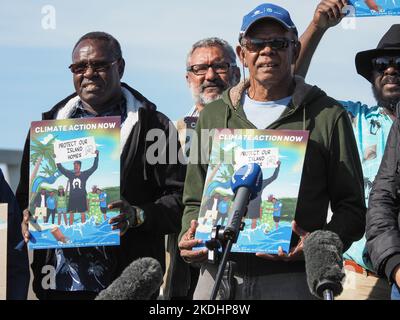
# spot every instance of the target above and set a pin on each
(74, 172)
(280, 154)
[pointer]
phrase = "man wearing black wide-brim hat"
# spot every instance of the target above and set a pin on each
(371, 126)
(381, 67)
(383, 218)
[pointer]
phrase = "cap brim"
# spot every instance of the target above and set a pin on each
(287, 27)
(364, 60)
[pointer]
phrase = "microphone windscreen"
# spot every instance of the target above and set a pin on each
(249, 176)
(139, 281)
(324, 262)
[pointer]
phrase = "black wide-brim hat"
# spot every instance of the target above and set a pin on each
(389, 45)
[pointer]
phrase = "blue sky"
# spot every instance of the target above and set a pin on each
(155, 37)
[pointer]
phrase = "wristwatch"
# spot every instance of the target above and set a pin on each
(139, 217)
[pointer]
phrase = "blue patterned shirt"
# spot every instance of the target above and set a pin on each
(371, 127)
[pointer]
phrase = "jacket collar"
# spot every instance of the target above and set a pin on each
(146, 104)
(301, 91)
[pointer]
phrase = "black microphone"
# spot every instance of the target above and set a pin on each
(246, 184)
(139, 281)
(323, 253)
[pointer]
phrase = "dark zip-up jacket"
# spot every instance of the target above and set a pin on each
(17, 260)
(383, 218)
(332, 171)
(155, 188)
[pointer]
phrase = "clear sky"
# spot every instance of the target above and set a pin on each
(155, 37)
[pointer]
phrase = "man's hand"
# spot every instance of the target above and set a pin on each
(125, 219)
(188, 242)
(329, 13)
(25, 225)
(295, 253)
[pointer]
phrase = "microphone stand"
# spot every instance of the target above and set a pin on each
(221, 269)
(224, 238)
(328, 289)
(328, 295)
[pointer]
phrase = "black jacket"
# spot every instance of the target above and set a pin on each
(156, 188)
(17, 261)
(383, 220)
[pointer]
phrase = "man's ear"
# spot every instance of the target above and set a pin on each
(237, 73)
(296, 51)
(187, 79)
(241, 54)
(121, 67)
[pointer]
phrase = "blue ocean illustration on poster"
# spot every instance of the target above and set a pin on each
(368, 8)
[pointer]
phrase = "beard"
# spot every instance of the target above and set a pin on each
(200, 98)
(388, 103)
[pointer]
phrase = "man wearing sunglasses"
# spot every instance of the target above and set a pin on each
(273, 97)
(151, 205)
(371, 125)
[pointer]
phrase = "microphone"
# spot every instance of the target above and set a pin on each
(139, 281)
(246, 183)
(323, 252)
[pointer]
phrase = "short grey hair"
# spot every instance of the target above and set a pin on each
(213, 42)
(112, 43)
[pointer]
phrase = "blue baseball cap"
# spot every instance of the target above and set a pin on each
(267, 10)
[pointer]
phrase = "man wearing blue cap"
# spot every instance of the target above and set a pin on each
(273, 98)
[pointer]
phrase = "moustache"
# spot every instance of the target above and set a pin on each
(87, 83)
(390, 80)
(218, 84)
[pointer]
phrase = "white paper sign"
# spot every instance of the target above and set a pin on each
(75, 149)
(264, 157)
(3, 250)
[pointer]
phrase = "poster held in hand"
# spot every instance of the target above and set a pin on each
(74, 174)
(280, 154)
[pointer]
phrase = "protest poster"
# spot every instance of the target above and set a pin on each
(280, 154)
(74, 174)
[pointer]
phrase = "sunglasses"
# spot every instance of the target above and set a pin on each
(255, 45)
(100, 66)
(202, 69)
(380, 64)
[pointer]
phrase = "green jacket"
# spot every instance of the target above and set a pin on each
(332, 171)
